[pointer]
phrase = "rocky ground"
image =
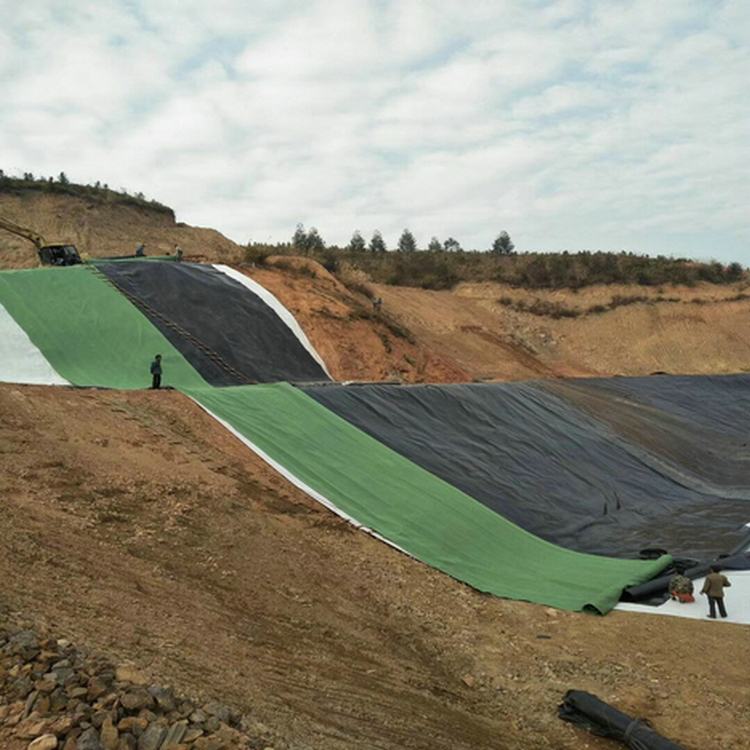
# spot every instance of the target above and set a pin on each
(62, 696)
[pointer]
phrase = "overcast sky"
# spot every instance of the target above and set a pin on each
(571, 124)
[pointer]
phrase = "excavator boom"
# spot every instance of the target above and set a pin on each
(10, 226)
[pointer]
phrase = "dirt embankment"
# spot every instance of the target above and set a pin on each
(356, 340)
(135, 524)
(488, 330)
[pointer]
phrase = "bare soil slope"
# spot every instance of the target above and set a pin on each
(486, 330)
(356, 340)
(134, 523)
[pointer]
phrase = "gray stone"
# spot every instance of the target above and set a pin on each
(98, 718)
(58, 700)
(30, 702)
(61, 675)
(198, 717)
(22, 687)
(136, 700)
(164, 698)
(192, 734)
(82, 712)
(212, 724)
(216, 709)
(25, 644)
(152, 738)
(89, 740)
(176, 733)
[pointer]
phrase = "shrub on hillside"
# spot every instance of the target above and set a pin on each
(257, 253)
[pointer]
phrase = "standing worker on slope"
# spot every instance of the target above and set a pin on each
(713, 588)
(156, 373)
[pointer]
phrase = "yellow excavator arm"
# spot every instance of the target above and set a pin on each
(10, 226)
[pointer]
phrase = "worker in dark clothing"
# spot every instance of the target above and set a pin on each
(156, 372)
(713, 588)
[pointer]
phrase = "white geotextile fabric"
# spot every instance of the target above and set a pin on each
(277, 307)
(20, 360)
(736, 599)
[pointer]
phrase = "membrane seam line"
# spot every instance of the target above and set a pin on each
(145, 307)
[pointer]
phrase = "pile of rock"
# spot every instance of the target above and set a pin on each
(56, 697)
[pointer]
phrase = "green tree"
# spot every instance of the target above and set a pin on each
(503, 245)
(357, 243)
(734, 272)
(299, 239)
(63, 179)
(315, 242)
(452, 245)
(434, 246)
(406, 242)
(377, 243)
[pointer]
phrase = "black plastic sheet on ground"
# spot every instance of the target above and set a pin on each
(229, 334)
(576, 476)
(588, 712)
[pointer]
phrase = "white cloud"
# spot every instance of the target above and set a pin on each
(570, 124)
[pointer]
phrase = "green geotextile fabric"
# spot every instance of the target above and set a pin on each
(89, 332)
(425, 516)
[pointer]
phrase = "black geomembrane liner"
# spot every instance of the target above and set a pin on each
(228, 333)
(569, 475)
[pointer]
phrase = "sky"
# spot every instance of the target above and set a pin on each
(571, 124)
